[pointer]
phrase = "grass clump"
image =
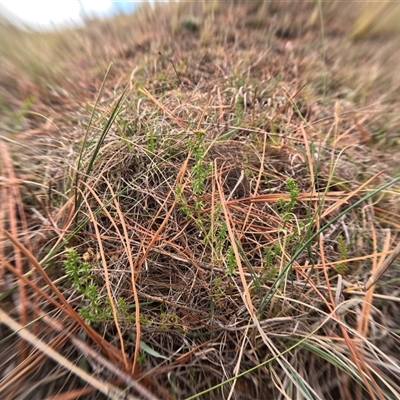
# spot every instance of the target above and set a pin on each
(204, 226)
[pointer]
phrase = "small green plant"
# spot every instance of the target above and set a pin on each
(270, 255)
(236, 81)
(270, 259)
(190, 24)
(123, 309)
(183, 206)
(150, 140)
(218, 289)
(168, 319)
(18, 117)
(82, 280)
(286, 207)
(93, 311)
(268, 273)
(141, 360)
(78, 271)
(239, 111)
(201, 170)
(145, 320)
(220, 237)
(231, 262)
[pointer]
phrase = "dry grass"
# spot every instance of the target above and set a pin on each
(201, 224)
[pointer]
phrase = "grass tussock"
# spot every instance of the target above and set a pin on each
(201, 218)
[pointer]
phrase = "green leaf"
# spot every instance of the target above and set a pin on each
(150, 351)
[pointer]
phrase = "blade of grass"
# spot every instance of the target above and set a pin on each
(95, 153)
(87, 135)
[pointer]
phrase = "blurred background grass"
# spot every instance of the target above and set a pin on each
(40, 67)
(376, 18)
